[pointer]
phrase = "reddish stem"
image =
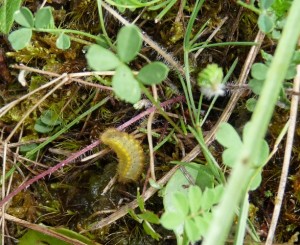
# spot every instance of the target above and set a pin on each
(75, 155)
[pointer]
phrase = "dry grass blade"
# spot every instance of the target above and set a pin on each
(286, 160)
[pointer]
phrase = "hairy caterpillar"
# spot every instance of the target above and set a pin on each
(129, 151)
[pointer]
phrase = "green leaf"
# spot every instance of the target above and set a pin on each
(205, 178)
(181, 203)
(259, 71)
(28, 147)
(125, 86)
(255, 182)
(101, 40)
(256, 85)
(134, 216)
(154, 184)
(263, 154)
(203, 222)
(43, 18)
(229, 156)
(210, 197)
(74, 235)
(150, 231)
(228, 137)
(194, 197)
(246, 130)
(267, 57)
(35, 237)
(20, 38)
(140, 201)
(153, 73)
(265, 4)
(129, 43)
(250, 104)
(50, 118)
(291, 72)
(172, 220)
(41, 127)
(265, 23)
(149, 216)
(7, 11)
(218, 192)
(63, 41)
(177, 183)
(192, 231)
(211, 76)
(296, 57)
(24, 17)
(101, 59)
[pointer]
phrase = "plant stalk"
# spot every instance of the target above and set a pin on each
(244, 169)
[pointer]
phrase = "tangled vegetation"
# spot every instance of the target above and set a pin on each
(206, 94)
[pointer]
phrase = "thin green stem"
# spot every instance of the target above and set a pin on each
(162, 112)
(204, 45)
(185, 90)
(165, 10)
(102, 24)
(249, 6)
(198, 120)
(136, 4)
(58, 31)
(211, 161)
(230, 71)
(186, 48)
(197, 35)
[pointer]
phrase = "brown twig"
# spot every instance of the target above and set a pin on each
(286, 160)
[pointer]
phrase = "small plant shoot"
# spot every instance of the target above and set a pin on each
(210, 81)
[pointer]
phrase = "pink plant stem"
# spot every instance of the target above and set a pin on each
(73, 156)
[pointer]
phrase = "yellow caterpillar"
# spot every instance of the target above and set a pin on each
(129, 151)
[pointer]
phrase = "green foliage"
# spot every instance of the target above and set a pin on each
(190, 213)
(259, 73)
(20, 38)
(146, 218)
(47, 121)
(101, 59)
(44, 18)
(272, 14)
(125, 84)
(129, 43)
(7, 11)
(153, 73)
(250, 104)
(153, 5)
(27, 148)
(24, 17)
(229, 138)
(210, 81)
(187, 210)
(265, 22)
(35, 237)
(63, 41)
